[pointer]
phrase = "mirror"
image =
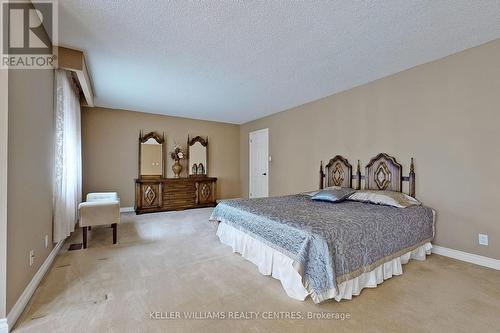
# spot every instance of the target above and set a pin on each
(151, 155)
(198, 156)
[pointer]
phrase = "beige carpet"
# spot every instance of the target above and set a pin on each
(173, 262)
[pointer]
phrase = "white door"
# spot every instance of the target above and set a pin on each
(259, 163)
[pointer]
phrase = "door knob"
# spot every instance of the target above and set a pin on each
(264, 174)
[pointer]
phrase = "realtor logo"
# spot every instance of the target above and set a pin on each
(29, 31)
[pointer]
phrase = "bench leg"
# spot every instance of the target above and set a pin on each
(114, 232)
(84, 230)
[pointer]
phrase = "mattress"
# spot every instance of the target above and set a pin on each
(329, 243)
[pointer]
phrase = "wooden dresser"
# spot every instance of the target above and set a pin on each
(163, 194)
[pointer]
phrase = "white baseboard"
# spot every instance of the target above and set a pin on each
(127, 209)
(468, 257)
(23, 300)
(4, 328)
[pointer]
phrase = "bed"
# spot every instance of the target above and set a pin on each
(330, 250)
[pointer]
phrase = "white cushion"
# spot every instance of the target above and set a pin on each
(100, 209)
(103, 196)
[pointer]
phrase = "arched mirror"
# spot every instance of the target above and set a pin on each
(198, 156)
(151, 155)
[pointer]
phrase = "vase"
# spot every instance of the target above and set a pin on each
(177, 168)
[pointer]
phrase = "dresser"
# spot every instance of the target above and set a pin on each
(164, 194)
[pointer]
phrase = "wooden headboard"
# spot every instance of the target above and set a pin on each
(338, 172)
(383, 172)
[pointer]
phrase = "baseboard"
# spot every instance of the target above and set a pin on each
(23, 300)
(468, 257)
(127, 209)
(4, 327)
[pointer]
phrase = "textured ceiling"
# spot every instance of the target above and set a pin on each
(235, 61)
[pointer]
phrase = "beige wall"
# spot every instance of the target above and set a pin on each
(30, 168)
(4, 107)
(446, 114)
(110, 149)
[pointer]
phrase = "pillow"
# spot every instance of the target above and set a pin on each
(313, 193)
(333, 194)
(388, 198)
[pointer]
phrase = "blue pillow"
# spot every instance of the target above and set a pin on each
(334, 195)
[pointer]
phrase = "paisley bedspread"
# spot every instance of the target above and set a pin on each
(331, 242)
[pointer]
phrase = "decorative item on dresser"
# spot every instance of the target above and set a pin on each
(154, 192)
(198, 156)
(177, 154)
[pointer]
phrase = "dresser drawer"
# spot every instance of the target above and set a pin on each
(150, 195)
(179, 203)
(205, 192)
(178, 195)
(179, 186)
(179, 190)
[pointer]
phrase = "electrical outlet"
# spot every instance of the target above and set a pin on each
(32, 257)
(46, 241)
(483, 239)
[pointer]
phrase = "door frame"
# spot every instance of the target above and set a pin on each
(264, 130)
(4, 147)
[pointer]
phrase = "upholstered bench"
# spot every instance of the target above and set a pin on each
(99, 209)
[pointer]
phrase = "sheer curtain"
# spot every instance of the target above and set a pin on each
(68, 156)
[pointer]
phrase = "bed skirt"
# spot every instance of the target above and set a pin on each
(271, 262)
